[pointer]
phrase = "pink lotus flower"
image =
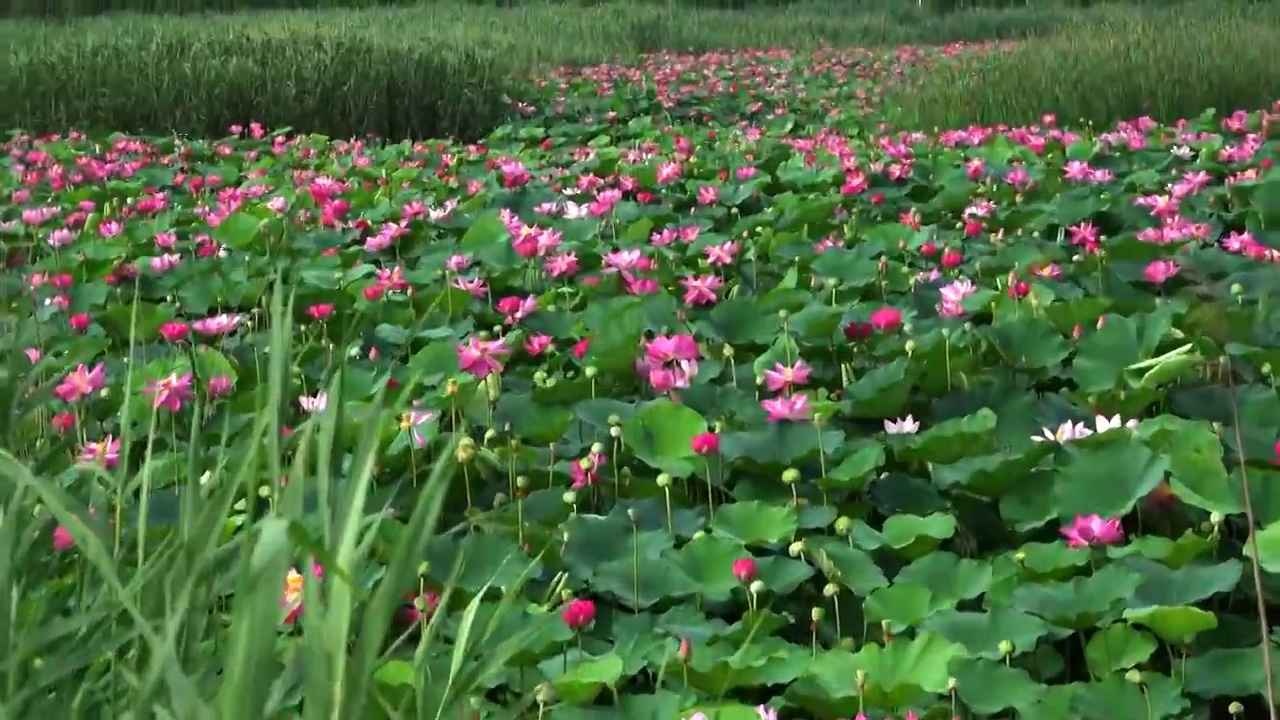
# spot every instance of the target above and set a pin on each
(62, 539)
(105, 452)
(217, 325)
(578, 614)
(169, 392)
(421, 606)
(886, 319)
(782, 378)
(81, 382)
(787, 407)
(705, 444)
(1158, 271)
(482, 358)
(1090, 530)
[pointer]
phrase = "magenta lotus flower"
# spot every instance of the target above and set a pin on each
(81, 382)
(782, 378)
(1092, 530)
(787, 407)
(482, 358)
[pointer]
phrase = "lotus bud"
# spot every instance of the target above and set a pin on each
(685, 650)
(493, 386)
(631, 514)
(490, 435)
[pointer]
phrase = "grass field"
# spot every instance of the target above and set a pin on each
(661, 363)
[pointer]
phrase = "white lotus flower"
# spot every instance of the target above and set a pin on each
(902, 426)
(1104, 423)
(315, 404)
(1066, 432)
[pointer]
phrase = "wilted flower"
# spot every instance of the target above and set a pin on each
(291, 600)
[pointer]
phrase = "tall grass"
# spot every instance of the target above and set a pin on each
(83, 8)
(443, 69)
(1166, 65)
(169, 606)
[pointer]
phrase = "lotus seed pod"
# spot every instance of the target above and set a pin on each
(860, 678)
(817, 613)
(590, 371)
(796, 549)
(1006, 648)
(615, 432)
(1266, 369)
(566, 595)
(499, 500)
(843, 526)
(514, 443)
(551, 382)
(1020, 557)
(631, 514)
(909, 346)
(783, 314)
(264, 491)
(569, 497)
(664, 480)
(1237, 289)
(597, 448)
(466, 450)
(490, 435)
(1235, 708)
(727, 351)
(952, 684)
(790, 476)
(1134, 676)
(522, 482)
(830, 590)
(423, 568)
(615, 420)
(539, 377)
(756, 587)
(1215, 517)
(699, 534)
(586, 463)
(546, 694)
(1206, 527)
(847, 644)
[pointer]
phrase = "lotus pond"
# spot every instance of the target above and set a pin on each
(696, 389)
